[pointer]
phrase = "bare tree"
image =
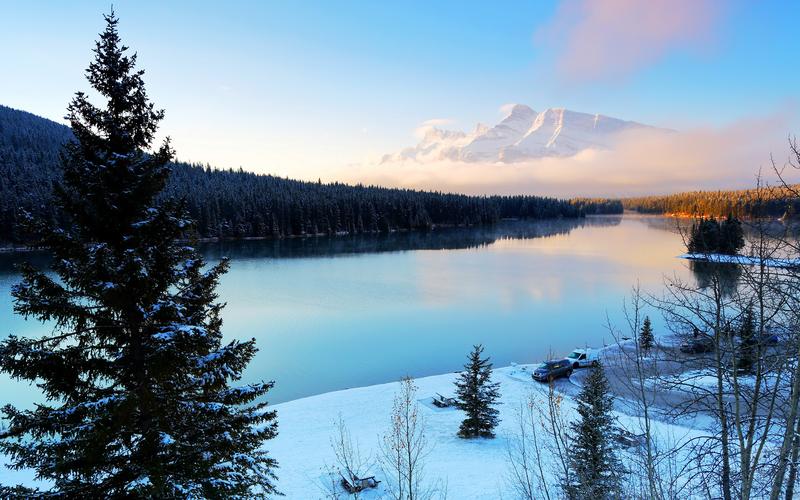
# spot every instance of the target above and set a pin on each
(790, 440)
(349, 465)
(526, 454)
(404, 448)
(748, 390)
(632, 366)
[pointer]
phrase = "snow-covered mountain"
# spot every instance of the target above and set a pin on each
(523, 135)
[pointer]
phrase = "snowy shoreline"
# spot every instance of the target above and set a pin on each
(743, 260)
(471, 469)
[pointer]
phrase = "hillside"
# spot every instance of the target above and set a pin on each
(237, 204)
(768, 202)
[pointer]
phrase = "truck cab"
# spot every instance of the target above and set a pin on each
(581, 358)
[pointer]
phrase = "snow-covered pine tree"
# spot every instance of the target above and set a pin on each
(594, 468)
(476, 395)
(137, 379)
(646, 339)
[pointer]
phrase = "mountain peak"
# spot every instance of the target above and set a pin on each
(524, 134)
(520, 110)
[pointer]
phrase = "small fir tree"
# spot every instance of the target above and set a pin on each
(646, 339)
(476, 395)
(748, 344)
(731, 236)
(593, 466)
(704, 236)
(135, 374)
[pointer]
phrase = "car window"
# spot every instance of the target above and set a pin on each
(583, 356)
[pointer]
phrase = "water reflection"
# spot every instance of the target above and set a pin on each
(331, 313)
(706, 273)
(439, 239)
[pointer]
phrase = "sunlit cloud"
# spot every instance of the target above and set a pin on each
(426, 126)
(601, 39)
(640, 162)
(505, 109)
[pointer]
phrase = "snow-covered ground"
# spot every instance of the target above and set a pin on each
(741, 259)
(705, 380)
(471, 469)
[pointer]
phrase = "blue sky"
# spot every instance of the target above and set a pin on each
(301, 88)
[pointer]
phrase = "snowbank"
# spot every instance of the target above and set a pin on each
(471, 469)
(740, 259)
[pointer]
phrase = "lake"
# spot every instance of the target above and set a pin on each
(339, 312)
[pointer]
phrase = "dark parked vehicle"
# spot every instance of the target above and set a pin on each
(698, 345)
(551, 370)
(766, 339)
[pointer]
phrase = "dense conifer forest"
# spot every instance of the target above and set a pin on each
(240, 204)
(765, 202)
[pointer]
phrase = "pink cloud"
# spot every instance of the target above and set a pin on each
(599, 39)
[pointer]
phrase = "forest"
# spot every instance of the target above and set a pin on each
(240, 204)
(757, 202)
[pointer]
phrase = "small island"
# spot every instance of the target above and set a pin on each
(710, 236)
(719, 242)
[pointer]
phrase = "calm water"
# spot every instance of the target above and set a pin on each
(332, 313)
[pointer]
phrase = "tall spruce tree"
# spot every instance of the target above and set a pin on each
(594, 468)
(748, 344)
(731, 236)
(704, 236)
(646, 339)
(135, 373)
(476, 395)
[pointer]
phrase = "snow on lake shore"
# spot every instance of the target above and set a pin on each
(470, 469)
(740, 259)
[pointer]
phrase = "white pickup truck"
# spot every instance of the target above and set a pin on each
(581, 358)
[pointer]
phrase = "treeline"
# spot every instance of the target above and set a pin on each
(236, 203)
(766, 202)
(599, 206)
(239, 204)
(712, 236)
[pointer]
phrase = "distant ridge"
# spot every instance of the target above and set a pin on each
(765, 202)
(238, 204)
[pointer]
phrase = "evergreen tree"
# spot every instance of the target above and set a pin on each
(476, 395)
(748, 343)
(646, 339)
(136, 376)
(731, 236)
(704, 236)
(594, 468)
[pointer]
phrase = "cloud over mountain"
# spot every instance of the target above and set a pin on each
(521, 136)
(638, 160)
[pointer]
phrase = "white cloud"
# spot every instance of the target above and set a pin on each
(427, 125)
(505, 109)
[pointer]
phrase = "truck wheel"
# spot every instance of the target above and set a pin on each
(595, 363)
(575, 365)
